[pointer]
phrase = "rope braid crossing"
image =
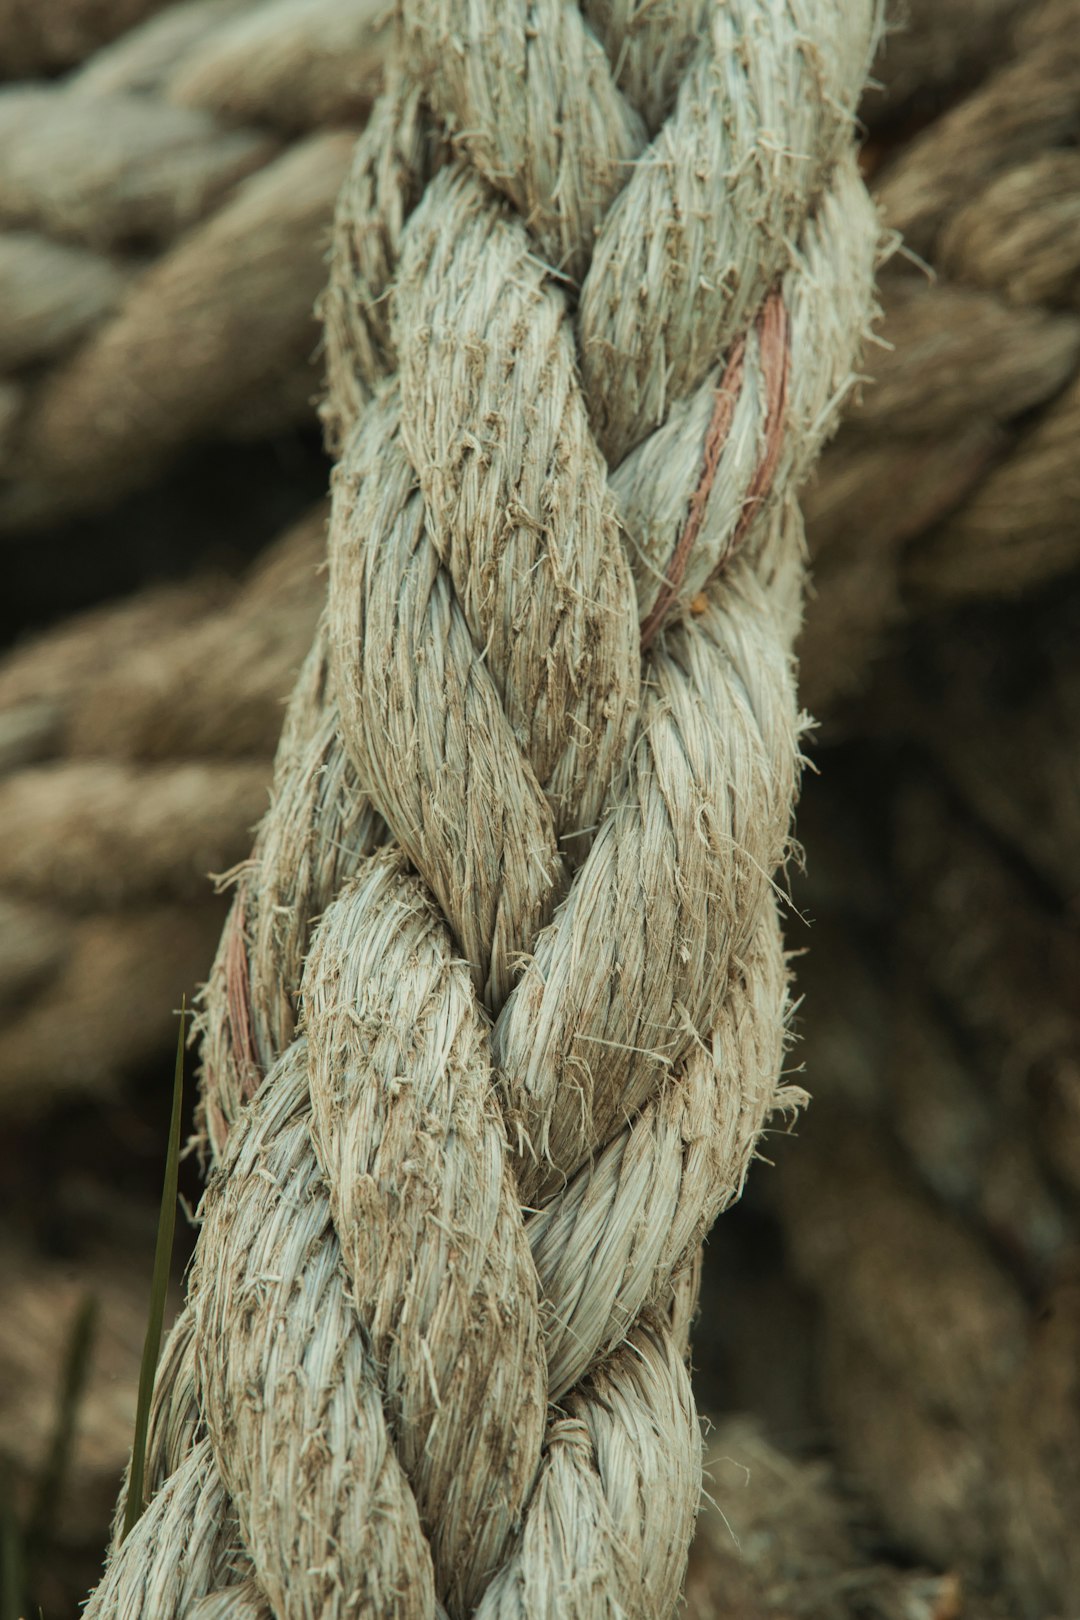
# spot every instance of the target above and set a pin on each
(499, 1012)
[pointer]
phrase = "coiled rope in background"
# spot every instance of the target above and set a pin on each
(960, 461)
(535, 780)
(163, 211)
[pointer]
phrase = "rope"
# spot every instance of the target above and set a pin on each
(139, 197)
(978, 358)
(124, 778)
(36, 37)
(945, 1191)
(439, 1304)
(975, 381)
(960, 460)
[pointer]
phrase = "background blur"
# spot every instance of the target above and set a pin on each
(890, 1323)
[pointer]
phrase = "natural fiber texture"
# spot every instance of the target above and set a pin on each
(959, 1476)
(160, 252)
(939, 1026)
(517, 874)
(901, 469)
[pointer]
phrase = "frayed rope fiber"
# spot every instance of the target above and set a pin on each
(499, 1011)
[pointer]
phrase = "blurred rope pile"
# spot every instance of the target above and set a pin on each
(163, 216)
(925, 1227)
(931, 1207)
(958, 478)
(44, 36)
(135, 749)
(932, 1204)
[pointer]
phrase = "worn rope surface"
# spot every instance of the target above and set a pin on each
(499, 1012)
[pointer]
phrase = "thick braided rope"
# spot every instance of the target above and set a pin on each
(517, 881)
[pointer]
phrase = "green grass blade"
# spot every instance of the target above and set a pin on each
(41, 1526)
(158, 1293)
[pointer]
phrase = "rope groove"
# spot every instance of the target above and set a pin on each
(499, 1012)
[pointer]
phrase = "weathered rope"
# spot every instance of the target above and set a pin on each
(517, 873)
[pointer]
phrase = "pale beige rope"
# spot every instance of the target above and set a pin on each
(378, 1322)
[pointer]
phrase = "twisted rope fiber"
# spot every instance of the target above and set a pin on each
(517, 874)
